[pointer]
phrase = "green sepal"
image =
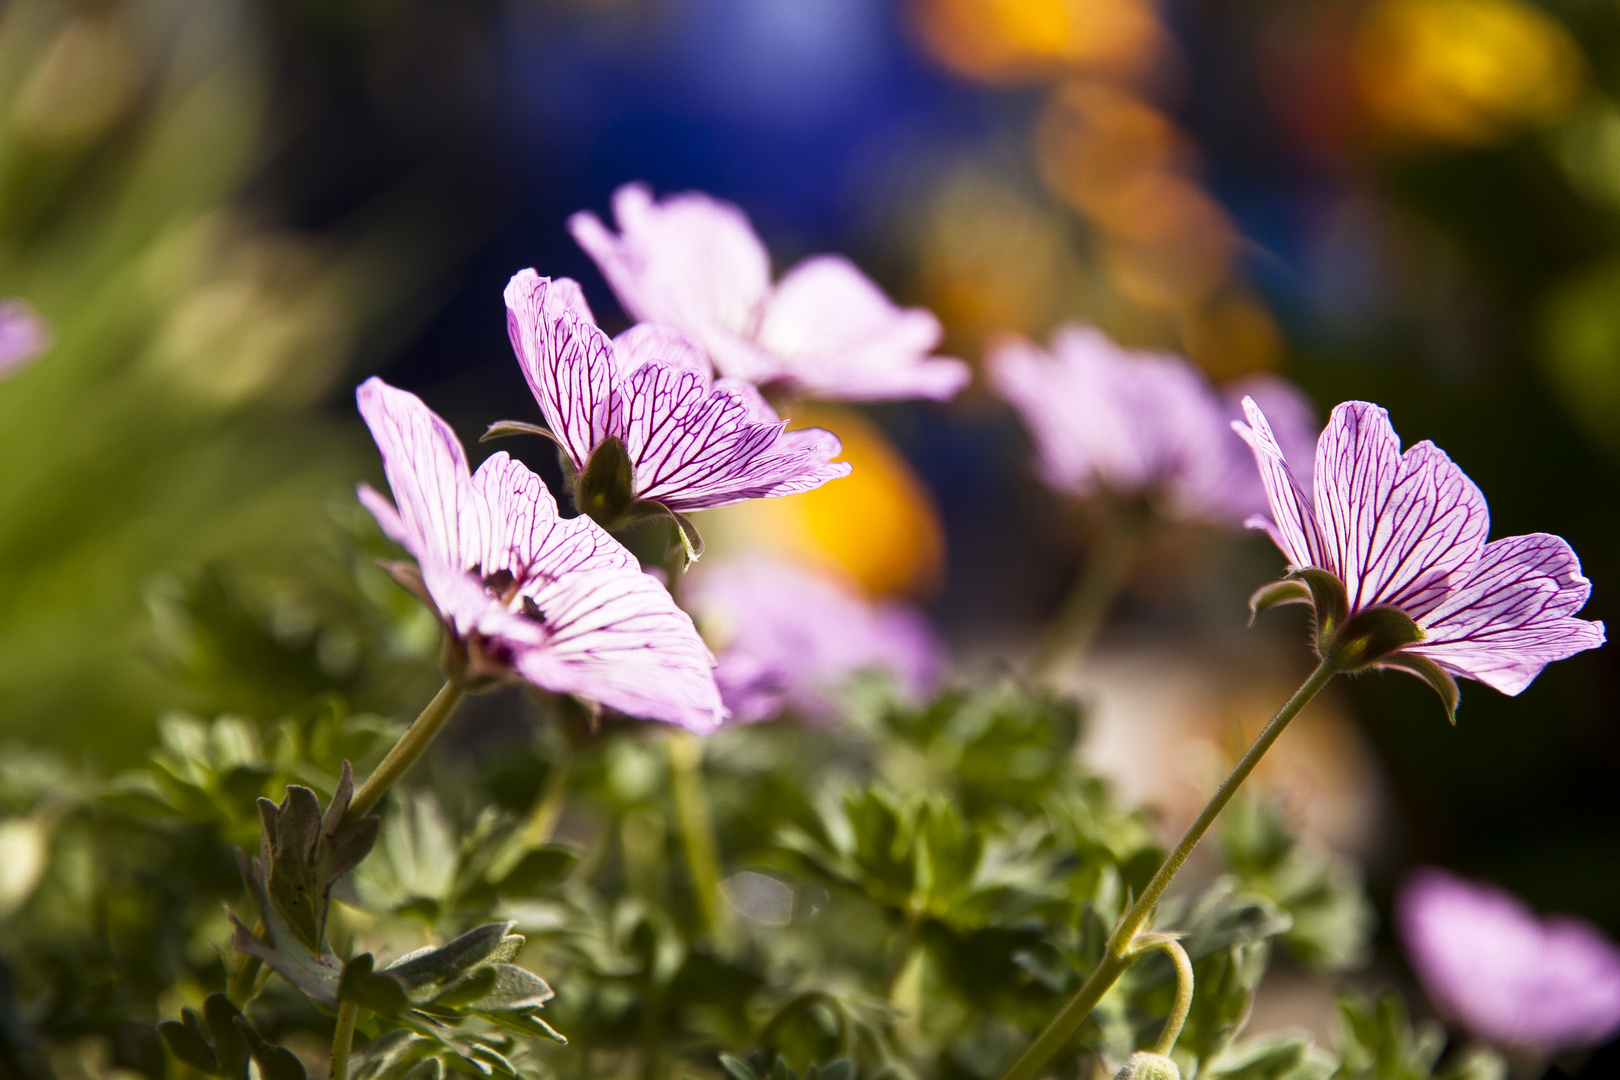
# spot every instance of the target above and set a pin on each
(606, 488)
(500, 429)
(691, 540)
(1329, 601)
(1370, 637)
(1438, 678)
(1275, 594)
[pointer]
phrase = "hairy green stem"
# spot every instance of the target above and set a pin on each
(1182, 1005)
(1106, 570)
(411, 746)
(697, 832)
(343, 1040)
(1118, 955)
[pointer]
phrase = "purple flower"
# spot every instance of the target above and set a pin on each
(23, 335)
(522, 592)
(823, 331)
(1405, 534)
(790, 638)
(1109, 420)
(690, 442)
(1512, 979)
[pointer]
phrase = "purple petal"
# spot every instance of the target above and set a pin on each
(1399, 527)
(426, 469)
(791, 638)
(696, 447)
(515, 520)
(842, 339)
(568, 362)
(1293, 522)
(1294, 425)
(690, 262)
(24, 336)
(1514, 980)
(1513, 614)
(648, 343)
(616, 637)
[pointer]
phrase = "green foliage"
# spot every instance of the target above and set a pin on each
(223, 1042)
(1378, 1042)
(1332, 920)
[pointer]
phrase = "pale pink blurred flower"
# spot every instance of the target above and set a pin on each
(24, 336)
(825, 330)
(524, 592)
(1407, 531)
(790, 638)
(1126, 423)
(692, 442)
(1514, 980)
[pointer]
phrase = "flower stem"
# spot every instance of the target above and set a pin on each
(1182, 1005)
(1118, 955)
(343, 1040)
(411, 745)
(1107, 569)
(697, 832)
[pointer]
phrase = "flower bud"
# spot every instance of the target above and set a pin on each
(1144, 1065)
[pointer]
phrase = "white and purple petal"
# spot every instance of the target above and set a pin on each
(520, 531)
(1513, 615)
(426, 469)
(24, 335)
(570, 364)
(1292, 525)
(617, 638)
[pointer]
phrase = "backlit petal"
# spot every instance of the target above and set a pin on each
(520, 531)
(843, 339)
(617, 638)
(1513, 614)
(1292, 526)
(426, 469)
(568, 362)
(695, 447)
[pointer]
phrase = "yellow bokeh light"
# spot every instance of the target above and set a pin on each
(876, 528)
(1464, 72)
(1001, 40)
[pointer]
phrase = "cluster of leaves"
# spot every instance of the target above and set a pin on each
(914, 893)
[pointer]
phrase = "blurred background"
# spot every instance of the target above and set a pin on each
(229, 212)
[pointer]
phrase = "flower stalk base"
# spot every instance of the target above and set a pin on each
(1123, 945)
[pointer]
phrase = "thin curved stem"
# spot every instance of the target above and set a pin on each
(1117, 957)
(1078, 621)
(697, 832)
(411, 746)
(1182, 1005)
(343, 1040)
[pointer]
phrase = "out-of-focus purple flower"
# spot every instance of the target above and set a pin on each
(692, 443)
(1110, 420)
(1512, 979)
(1407, 531)
(523, 592)
(23, 335)
(824, 331)
(789, 638)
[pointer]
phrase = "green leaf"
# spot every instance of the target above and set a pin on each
(1439, 679)
(736, 1068)
(380, 993)
(538, 869)
(302, 852)
(274, 1062)
(188, 1044)
(230, 1047)
(1276, 594)
(524, 1023)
